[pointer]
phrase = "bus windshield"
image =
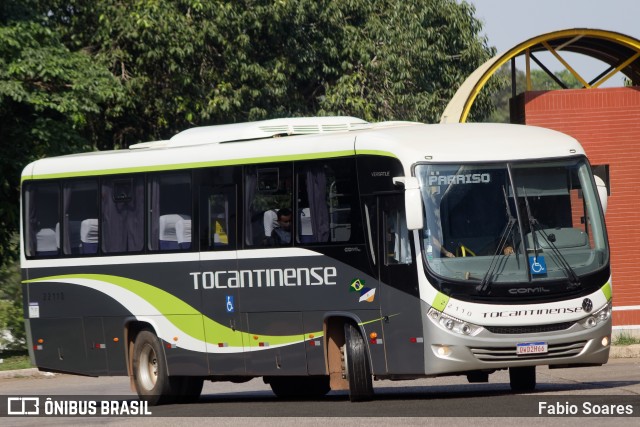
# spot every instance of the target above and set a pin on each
(512, 222)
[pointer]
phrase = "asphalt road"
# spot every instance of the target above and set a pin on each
(610, 388)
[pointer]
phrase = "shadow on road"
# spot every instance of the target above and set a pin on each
(410, 401)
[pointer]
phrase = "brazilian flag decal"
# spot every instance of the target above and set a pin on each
(357, 285)
(366, 294)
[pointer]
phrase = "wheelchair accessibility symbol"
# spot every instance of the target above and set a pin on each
(537, 265)
(230, 307)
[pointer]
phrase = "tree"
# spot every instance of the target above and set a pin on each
(410, 58)
(11, 311)
(190, 62)
(50, 97)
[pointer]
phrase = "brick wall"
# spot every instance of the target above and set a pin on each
(607, 123)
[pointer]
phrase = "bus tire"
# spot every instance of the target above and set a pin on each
(356, 365)
(307, 387)
(150, 374)
(522, 378)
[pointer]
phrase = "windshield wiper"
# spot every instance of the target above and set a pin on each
(485, 284)
(562, 261)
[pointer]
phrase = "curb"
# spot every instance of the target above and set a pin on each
(25, 373)
(617, 352)
(624, 351)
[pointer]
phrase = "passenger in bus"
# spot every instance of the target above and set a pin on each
(270, 220)
(281, 233)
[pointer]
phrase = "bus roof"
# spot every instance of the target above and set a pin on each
(297, 139)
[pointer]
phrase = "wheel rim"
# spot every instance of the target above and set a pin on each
(148, 368)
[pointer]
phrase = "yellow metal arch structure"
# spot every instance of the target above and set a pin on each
(619, 51)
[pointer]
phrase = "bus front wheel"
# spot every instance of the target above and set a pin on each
(150, 369)
(356, 365)
(522, 378)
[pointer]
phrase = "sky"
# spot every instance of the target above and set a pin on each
(506, 23)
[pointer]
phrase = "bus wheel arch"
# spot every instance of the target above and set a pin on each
(347, 357)
(150, 378)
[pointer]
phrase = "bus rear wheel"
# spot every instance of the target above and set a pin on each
(307, 387)
(150, 369)
(522, 378)
(356, 365)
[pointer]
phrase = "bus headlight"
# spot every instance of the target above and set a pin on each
(452, 324)
(597, 317)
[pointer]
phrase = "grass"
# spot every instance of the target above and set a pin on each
(14, 361)
(626, 339)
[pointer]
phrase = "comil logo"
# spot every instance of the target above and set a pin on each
(23, 406)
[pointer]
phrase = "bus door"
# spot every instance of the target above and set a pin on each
(398, 284)
(219, 281)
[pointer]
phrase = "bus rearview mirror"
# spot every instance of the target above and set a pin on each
(602, 192)
(412, 201)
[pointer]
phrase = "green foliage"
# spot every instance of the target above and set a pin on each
(406, 61)
(50, 99)
(189, 62)
(11, 312)
(15, 362)
(625, 338)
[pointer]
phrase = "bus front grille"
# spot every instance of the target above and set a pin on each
(535, 329)
(508, 354)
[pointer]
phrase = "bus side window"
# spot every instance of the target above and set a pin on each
(42, 219)
(325, 201)
(267, 188)
(122, 221)
(80, 217)
(218, 221)
(170, 212)
(217, 207)
(396, 242)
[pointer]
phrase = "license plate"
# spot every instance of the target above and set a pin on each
(531, 348)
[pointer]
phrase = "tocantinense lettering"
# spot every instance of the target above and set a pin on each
(231, 279)
(533, 312)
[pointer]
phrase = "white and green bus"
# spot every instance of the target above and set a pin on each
(413, 251)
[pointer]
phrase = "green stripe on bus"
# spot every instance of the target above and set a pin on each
(181, 312)
(376, 153)
(606, 290)
(378, 319)
(440, 302)
(192, 165)
(183, 316)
